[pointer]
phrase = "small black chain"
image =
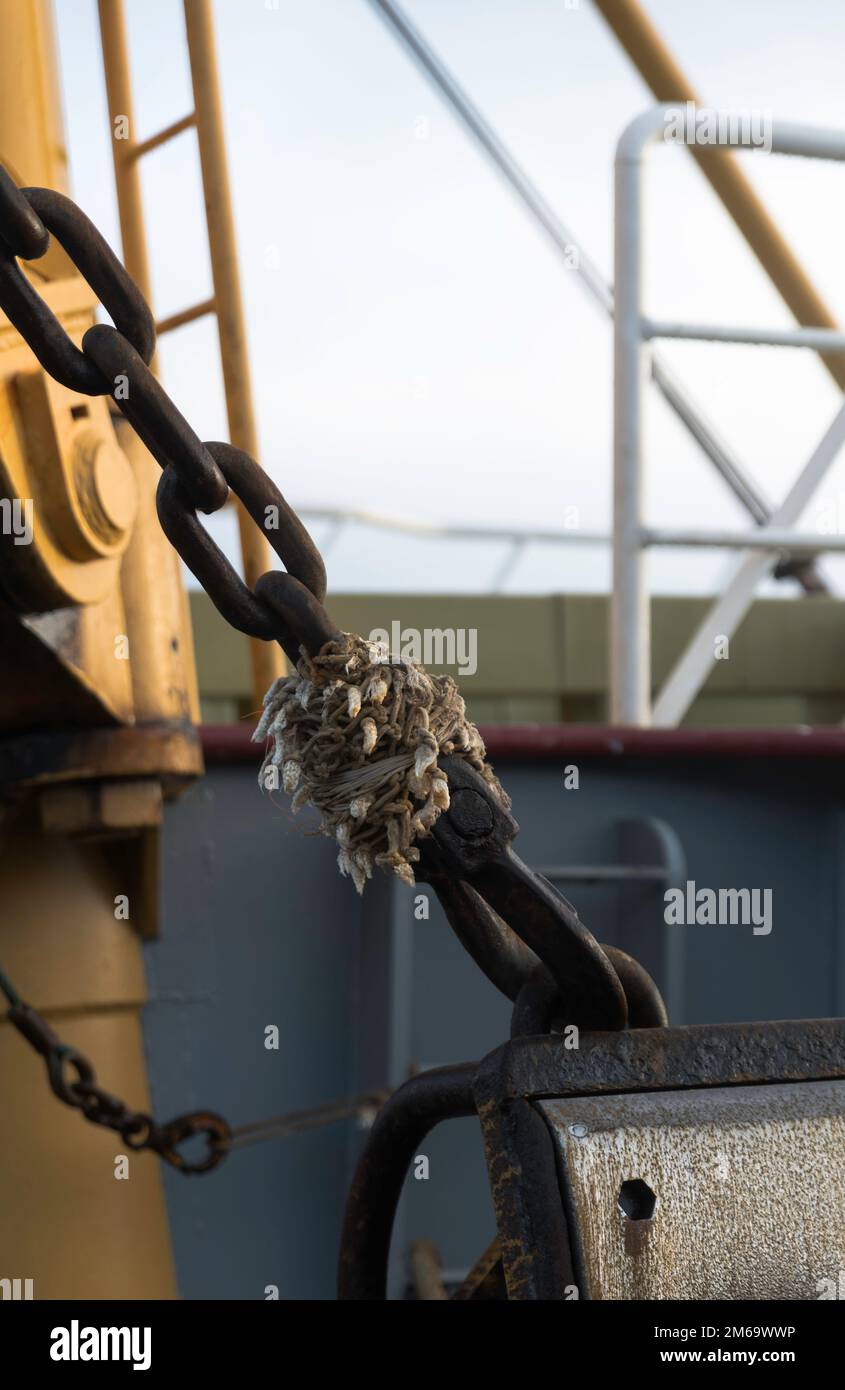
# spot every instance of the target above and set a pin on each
(73, 1080)
(138, 1130)
(284, 607)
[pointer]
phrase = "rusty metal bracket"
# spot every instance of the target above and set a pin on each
(522, 1163)
(503, 1089)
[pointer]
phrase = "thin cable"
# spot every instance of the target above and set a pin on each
(277, 1126)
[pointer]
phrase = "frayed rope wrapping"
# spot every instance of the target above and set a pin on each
(357, 734)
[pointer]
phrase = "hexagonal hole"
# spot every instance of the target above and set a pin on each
(637, 1200)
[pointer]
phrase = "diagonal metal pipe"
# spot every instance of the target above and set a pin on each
(672, 390)
(658, 68)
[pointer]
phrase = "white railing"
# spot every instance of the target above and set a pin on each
(633, 333)
(573, 253)
(517, 540)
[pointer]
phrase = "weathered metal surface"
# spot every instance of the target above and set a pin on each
(402, 1123)
(524, 1181)
(505, 958)
(530, 1218)
(100, 809)
(731, 1193)
(540, 1006)
(485, 1280)
(171, 751)
(471, 842)
(27, 233)
(59, 669)
(662, 1059)
(281, 595)
(99, 266)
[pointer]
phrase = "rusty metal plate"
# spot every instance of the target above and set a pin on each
(727, 1193)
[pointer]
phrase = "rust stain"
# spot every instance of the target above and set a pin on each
(636, 1236)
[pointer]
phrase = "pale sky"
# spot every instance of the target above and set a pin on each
(416, 345)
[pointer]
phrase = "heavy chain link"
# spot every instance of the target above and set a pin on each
(286, 607)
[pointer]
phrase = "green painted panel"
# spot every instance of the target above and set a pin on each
(544, 659)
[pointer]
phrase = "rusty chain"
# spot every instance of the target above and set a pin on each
(137, 1129)
(140, 1131)
(286, 607)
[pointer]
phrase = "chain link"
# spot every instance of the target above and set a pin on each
(197, 477)
(137, 1129)
(73, 1081)
(284, 607)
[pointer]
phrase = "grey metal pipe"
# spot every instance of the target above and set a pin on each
(819, 339)
(675, 395)
(630, 616)
(766, 538)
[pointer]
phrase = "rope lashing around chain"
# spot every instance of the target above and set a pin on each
(357, 733)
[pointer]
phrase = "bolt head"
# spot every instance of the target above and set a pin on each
(106, 487)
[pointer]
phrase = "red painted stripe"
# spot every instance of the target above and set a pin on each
(230, 743)
(533, 741)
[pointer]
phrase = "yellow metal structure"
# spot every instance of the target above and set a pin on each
(67, 1220)
(58, 450)
(98, 704)
(226, 303)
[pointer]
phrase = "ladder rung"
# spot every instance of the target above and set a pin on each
(197, 311)
(169, 133)
(603, 873)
